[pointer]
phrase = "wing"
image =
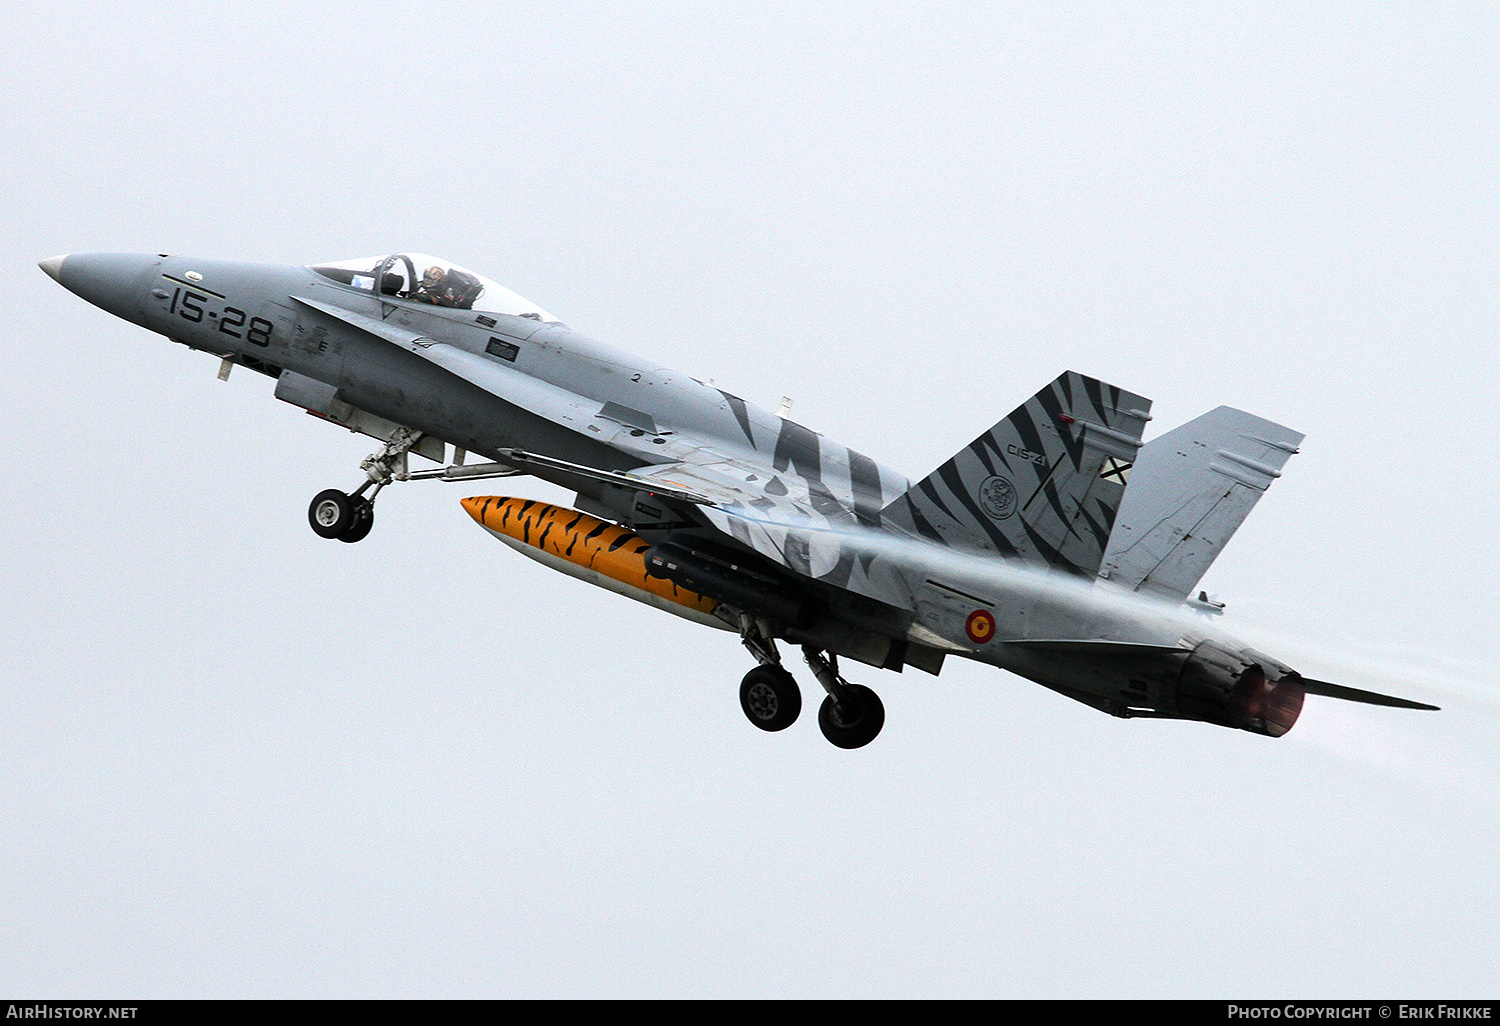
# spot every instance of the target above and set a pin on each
(788, 494)
(795, 521)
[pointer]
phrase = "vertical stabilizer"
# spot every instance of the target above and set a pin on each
(1042, 485)
(1189, 492)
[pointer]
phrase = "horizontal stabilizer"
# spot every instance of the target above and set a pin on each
(1322, 687)
(1189, 492)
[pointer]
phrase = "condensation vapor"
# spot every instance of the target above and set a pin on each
(1012, 581)
(1395, 667)
(1347, 663)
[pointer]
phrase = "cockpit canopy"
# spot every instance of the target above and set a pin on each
(419, 278)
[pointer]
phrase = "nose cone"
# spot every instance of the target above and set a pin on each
(112, 281)
(475, 507)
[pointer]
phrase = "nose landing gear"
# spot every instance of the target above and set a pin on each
(349, 517)
(333, 514)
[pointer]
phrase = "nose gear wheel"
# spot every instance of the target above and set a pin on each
(335, 514)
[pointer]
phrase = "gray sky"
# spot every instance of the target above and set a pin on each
(243, 761)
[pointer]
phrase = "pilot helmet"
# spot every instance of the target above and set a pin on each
(433, 275)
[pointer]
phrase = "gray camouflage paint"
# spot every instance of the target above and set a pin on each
(1043, 488)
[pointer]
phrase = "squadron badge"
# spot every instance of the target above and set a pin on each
(997, 497)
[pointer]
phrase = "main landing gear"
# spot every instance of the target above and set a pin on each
(770, 697)
(850, 717)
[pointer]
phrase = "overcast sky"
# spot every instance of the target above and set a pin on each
(240, 760)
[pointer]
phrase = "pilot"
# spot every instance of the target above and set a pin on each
(434, 287)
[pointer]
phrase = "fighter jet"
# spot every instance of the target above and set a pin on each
(1056, 545)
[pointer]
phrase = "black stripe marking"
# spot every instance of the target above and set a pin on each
(921, 523)
(1101, 533)
(1096, 396)
(1050, 555)
(864, 481)
(741, 413)
(797, 447)
(1052, 489)
(842, 569)
(794, 553)
(928, 488)
(977, 516)
(1073, 446)
(1107, 512)
(985, 442)
(824, 502)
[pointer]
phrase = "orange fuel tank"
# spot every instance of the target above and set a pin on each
(589, 549)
